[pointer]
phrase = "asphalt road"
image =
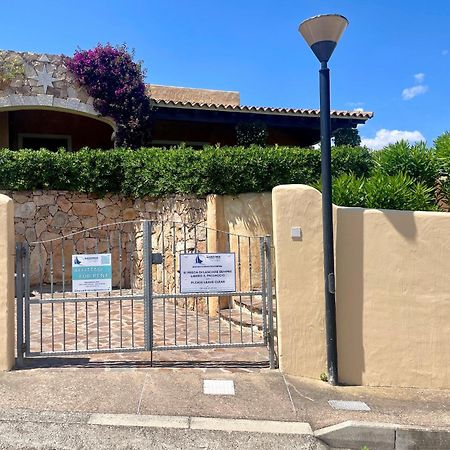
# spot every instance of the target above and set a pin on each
(54, 430)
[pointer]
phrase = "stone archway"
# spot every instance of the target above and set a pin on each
(52, 128)
(40, 101)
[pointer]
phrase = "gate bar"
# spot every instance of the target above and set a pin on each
(148, 326)
(270, 302)
(19, 303)
(262, 248)
(26, 266)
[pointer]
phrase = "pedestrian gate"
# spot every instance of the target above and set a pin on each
(142, 298)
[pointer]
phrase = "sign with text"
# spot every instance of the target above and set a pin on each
(91, 273)
(207, 272)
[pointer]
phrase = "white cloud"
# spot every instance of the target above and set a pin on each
(385, 137)
(419, 77)
(409, 93)
(355, 104)
(358, 109)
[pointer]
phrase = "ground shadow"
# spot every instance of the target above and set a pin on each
(87, 363)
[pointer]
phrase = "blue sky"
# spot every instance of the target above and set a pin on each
(394, 58)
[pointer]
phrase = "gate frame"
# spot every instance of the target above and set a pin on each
(23, 340)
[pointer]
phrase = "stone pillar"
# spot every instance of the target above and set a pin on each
(4, 129)
(7, 250)
(217, 242)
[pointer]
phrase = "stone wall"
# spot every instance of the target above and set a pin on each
(48, 216)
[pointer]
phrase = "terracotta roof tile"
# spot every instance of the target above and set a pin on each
(361, 115)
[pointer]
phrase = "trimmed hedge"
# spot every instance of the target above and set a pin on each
(401, 176)
(156, 171)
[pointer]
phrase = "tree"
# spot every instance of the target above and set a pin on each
(346, 137)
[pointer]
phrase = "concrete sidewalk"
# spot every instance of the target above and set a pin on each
(260, 394)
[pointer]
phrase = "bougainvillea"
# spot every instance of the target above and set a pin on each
(116, 83)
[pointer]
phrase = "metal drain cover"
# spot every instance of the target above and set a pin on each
(218, 387)
(348, 405)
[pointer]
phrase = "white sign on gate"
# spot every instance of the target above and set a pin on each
(207, 272)
(91, 273)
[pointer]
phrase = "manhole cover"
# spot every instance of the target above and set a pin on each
(348, 405)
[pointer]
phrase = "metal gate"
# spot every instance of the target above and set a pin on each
(145, 309)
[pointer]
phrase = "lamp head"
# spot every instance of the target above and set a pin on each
(322, 34)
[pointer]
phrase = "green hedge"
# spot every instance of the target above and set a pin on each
(156, 171)
(401, 176)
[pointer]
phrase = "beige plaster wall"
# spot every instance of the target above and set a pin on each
(299, 275)
(392, 296)
(7, 249)
(249, 214)
(239, 221)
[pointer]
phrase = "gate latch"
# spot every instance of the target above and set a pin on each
(157, 258)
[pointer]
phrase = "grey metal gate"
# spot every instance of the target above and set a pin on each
(145, 310)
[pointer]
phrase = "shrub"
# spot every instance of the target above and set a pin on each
(154, 171)
(442, 145)
(417, 161)
(397, 192)
(214, 170)
(382, 191)
(356, 160)
(116, 83)
(348, 190)
(219, 170)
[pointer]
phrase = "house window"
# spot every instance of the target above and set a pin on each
(49, 141)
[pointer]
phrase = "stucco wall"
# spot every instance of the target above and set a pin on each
(249, 214)
(392, 296)
(299, 274)
(243, 218)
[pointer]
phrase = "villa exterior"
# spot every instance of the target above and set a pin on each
(41, 105)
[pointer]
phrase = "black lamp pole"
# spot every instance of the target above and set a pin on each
(327, 223)
(322, 34)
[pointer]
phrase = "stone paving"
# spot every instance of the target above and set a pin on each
(100, 324)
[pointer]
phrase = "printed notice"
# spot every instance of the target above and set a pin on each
(207, 272)
(91, 273)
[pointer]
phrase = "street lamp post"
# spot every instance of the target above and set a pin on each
(322, 34)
